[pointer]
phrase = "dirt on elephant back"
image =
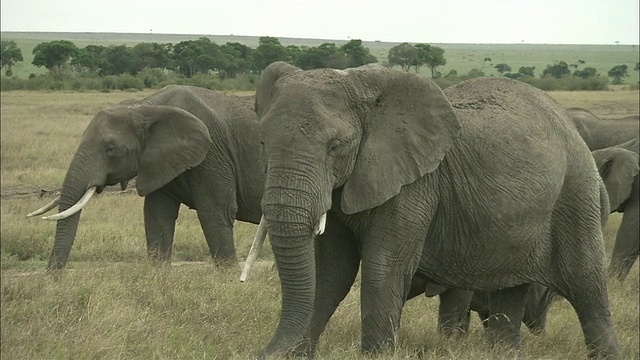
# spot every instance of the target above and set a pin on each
(23, 191)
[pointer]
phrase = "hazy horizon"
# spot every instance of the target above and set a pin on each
(570, 22)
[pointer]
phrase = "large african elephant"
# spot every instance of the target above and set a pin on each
(618, 166)
(599, 133)
(485, 186)
(186, 145)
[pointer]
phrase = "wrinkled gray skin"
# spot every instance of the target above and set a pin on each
(455, 305)
(599, 133)
(618, 166)
(186, 145)
(486, 186)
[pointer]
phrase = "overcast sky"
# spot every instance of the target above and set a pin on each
(444, 21)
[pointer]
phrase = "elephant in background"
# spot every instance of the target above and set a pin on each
(599, 133)
(185, 145)
(411, 179)
(618, 166)
(455, 306)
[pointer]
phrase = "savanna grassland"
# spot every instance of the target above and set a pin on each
(460, 57)
(111, 303)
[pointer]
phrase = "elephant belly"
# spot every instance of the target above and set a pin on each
(486, 251)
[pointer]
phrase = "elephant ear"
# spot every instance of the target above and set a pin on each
(175, 141)
(408, 128)
(265, 88)
(617, 167)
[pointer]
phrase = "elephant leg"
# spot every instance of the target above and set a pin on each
(337, 262)
(453, 312)
(625, 249)
(160, 214)
(390, 258)
(480, 304)
(536, 308)
(593, 312)
(218, 231)
(506, 308)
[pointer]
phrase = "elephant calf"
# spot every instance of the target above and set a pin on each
(186, 145)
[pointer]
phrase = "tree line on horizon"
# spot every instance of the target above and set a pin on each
(201, 57)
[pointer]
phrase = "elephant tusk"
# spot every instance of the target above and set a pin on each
(319, 230)
(75, 208)
(258, 241)
(45, 208)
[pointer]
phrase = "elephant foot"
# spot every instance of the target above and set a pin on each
(502, 333)
(288, 348)
(600, 338)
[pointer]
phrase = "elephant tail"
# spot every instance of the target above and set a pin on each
(604, 204)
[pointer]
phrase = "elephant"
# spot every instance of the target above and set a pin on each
(618, 166)
(455, 305)
(185, 145)
(599, 133)
(484, 186)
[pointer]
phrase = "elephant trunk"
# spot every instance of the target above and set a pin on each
(78, 180)
(291, 225)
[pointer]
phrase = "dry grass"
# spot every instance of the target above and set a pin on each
(111, 303)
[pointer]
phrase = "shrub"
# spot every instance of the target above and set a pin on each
(568, 83)
(151, 78)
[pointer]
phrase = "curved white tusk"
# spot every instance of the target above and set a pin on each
(321, 224)
(75, 208)
(45, 208)
(258, 241)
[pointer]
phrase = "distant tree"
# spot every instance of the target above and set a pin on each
(586, 73)
(357, 54)
(54, 56)
(187, 56)
(617, 73)
(527, 71)
(502, 68)
(432, 57)
(295, 52)
(149, 56)
(558, 70)
(88, 60)
(637, 67)
(235, 58)
(10, 54)
(403, 55)
(269, 50)
(117, 60)
(484, 61)
(325, 55)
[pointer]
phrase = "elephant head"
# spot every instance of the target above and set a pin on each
(618, 165)
(154, 143)
(342, 140)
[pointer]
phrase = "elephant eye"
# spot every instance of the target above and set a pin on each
(334, 145)
(111, 149)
